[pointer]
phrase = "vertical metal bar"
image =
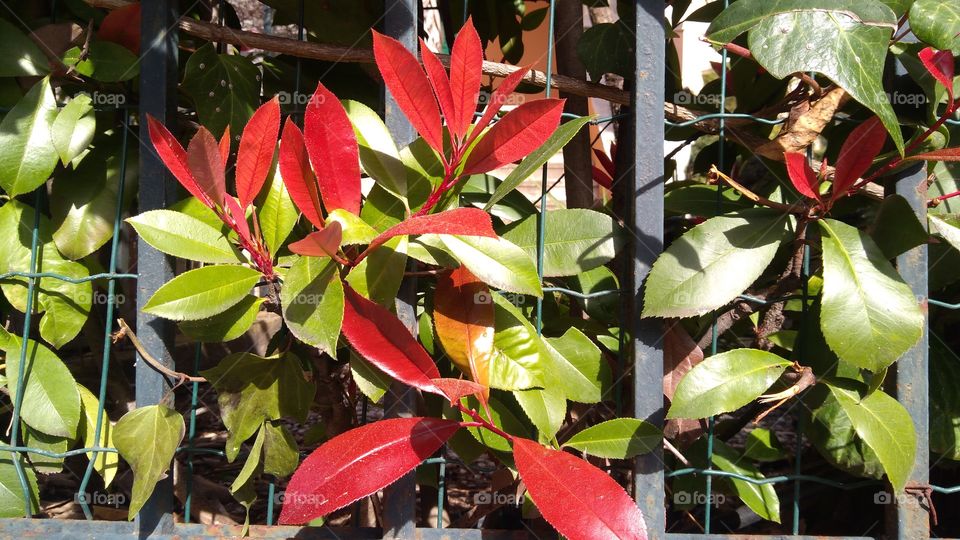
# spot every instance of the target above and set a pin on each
(647, 220)
(910, 520)
(399, 504)
(158, 79)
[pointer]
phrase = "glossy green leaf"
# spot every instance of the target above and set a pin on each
(202, 293)
(714, 262)
(277, 213)
(725, 382)
(20, 57)
(546, 408)
(49, 443)
(578, 367)
(226, 326)
(701, 200)
(225, 88)
(252, 465)
(106, 463)
(379, 156)
(869, 316)
(620, 438)
(355, 230)
(280, 453)
(27, 155)
(501, 415)
(937, 23)
(312, 300)
(51, 402)
(833, 434)
(147, 439)
(947, 227)
(746, 14)
(74, 127)
(497, 262)
(761, 498)
(575, 240)
(763, 445)
(180, 235)
(252, 389)
(103, 61)
(516, 362)
(537, 158)
(479, 189)
(379, 275)
(12, 501)
(372, 382)
(896, 228)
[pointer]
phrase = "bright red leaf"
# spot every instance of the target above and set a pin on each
(409, 86)
(802, 176)
(517, 134)
(332, 147)
(600, 177)
(605, 161)
(360, 462)
(297, 174)
(175, 158)
(237, 215)
(457, 389)
(441, 83)
(255, 155)
(856, 155)
(459, 221)
(225, 147)
(122, 26)
(203, 155)
(464, 323)
(322, 243)
(579, 500)
(940, 65)
(497, 99)
(943, 154)
(378, 336)
(466, 72)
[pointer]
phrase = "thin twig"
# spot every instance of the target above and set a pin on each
(759, 199)
(125, 331)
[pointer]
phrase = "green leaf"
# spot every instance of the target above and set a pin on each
(620, 438)
(869, 316)
(725, 382)
(833, 434)
(312, 299)
(714, 262)
(746, 14)
(280, 453)
(372, 382)
(761, 498)
(252, 464)
(546, 408)
(74, 127)
(885, 426)
(83, 203)
(50, 443)
(27, 155)
(947, 226)
(19, 57)
(578, 366)
(497, 262)
(225, 88)
(378, 276)
(104, 61)
(848, 52)
(379, 156)
(66, 305)
(147, 438)
(516, 362)
(936, 23)
(502, 416)
(355, 229)
(606, 48)
(226, 326)
(701, 200)
(51, 402)
(277, 214)
(575, 240)
(202, 293)
(12, 501)
(107, 462)
(181, 235)
(535, 160)
(252, 389)
(479, 189)
(896, 228)
(763, 445)
(944, 400)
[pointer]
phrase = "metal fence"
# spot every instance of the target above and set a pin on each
(641, 189)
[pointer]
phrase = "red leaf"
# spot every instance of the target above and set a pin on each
(457, 389)
(239, 217)
(605, 162)
(175, 158)
(856, 155)
(943, 154)
(464, 317)
(601, 178)
(297, 174)
(801, 175)
(466, 72)
(517, 134)
(122, 26)
(203, 155)
(410, 88)
(497, 99)
(332, 146)
(378, 336)
(578, 499)
(360, 462)
(940, 65)
(255, 156)
(441, 84)
(322, 243)
(225, 147)
(459, 221)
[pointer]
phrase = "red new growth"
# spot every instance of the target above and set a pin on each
(518, 133)
(360, 462)
(332, 147)
(255, 156)
(122, 26)
(322, 243)
(203, 156)
(297, 174)
(857, 154)
(801, 175)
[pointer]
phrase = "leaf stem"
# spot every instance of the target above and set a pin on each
(483, 422)
(759, 199)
